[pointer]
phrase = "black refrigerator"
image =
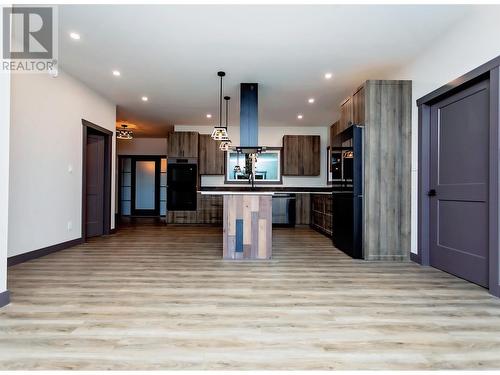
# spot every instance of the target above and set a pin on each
(347, 192)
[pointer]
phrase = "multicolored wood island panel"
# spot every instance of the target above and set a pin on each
(247, 232)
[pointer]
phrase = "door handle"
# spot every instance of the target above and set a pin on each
(431, 193)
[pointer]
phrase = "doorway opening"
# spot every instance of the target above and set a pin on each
(142, 186)
(96, 180)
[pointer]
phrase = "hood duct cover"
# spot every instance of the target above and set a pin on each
(249, 118)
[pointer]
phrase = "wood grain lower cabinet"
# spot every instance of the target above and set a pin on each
(301, 155)
(182, 145)
(302, 209)
(321, 213)
(209, 211)
(182, 217)
(211, 158)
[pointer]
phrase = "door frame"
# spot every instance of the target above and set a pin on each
(134, 158)
(108, 146)
(489, 71)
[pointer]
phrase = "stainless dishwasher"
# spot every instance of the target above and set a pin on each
(283, 209)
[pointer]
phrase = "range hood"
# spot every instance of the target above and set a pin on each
(249, 119)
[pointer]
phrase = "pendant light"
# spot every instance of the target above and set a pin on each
(124, 133)
(226, 145)
(220, 133)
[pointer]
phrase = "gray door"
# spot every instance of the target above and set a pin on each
(95, 185)
(459, 177)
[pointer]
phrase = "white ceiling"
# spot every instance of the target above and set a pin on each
(172, 53)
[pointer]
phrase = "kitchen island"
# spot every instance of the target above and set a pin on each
(247, 224)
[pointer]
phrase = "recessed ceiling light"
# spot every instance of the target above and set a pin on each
(116, 73)
(311, 100)
(299, 116)
(328, 75)
(74, 36)
(144, 98)
(209, 115)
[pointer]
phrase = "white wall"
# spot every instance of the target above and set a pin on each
(141, 146)
(272, 136)
(45, 142)
(470, 43)
(4, 175)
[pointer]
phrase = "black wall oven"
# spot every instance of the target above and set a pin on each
(182, 177)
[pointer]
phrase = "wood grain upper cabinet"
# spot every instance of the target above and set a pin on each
(345, 114)
(301, 155)
(290, 155)
(211, 158)
(182, 145)
(358, 106)
(334, 130)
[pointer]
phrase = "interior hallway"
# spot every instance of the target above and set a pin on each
(156, 297)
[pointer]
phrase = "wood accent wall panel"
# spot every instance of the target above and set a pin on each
(182, 145)
(211, 159)
(247, 221)
(302, 209)
(387, 170)
(301, 155)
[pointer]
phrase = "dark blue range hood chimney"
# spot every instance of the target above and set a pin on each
(249, 119)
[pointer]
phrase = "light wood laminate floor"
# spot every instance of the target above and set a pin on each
(156, 297)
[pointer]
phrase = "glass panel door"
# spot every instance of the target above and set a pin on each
(146, 176)
(145, 189)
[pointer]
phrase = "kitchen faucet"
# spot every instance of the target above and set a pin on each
(249, 168)
(251, 180)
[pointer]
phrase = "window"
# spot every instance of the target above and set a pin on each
(267, 167)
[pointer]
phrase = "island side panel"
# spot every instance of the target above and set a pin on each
(254, 214)
(224, 225)
(265, 228)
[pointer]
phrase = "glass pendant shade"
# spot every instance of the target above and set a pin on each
(225, 145)
(220, 134)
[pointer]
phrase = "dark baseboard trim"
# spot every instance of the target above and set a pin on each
(112, 231)
(415, 258)
(21, 258)
(4, 298)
